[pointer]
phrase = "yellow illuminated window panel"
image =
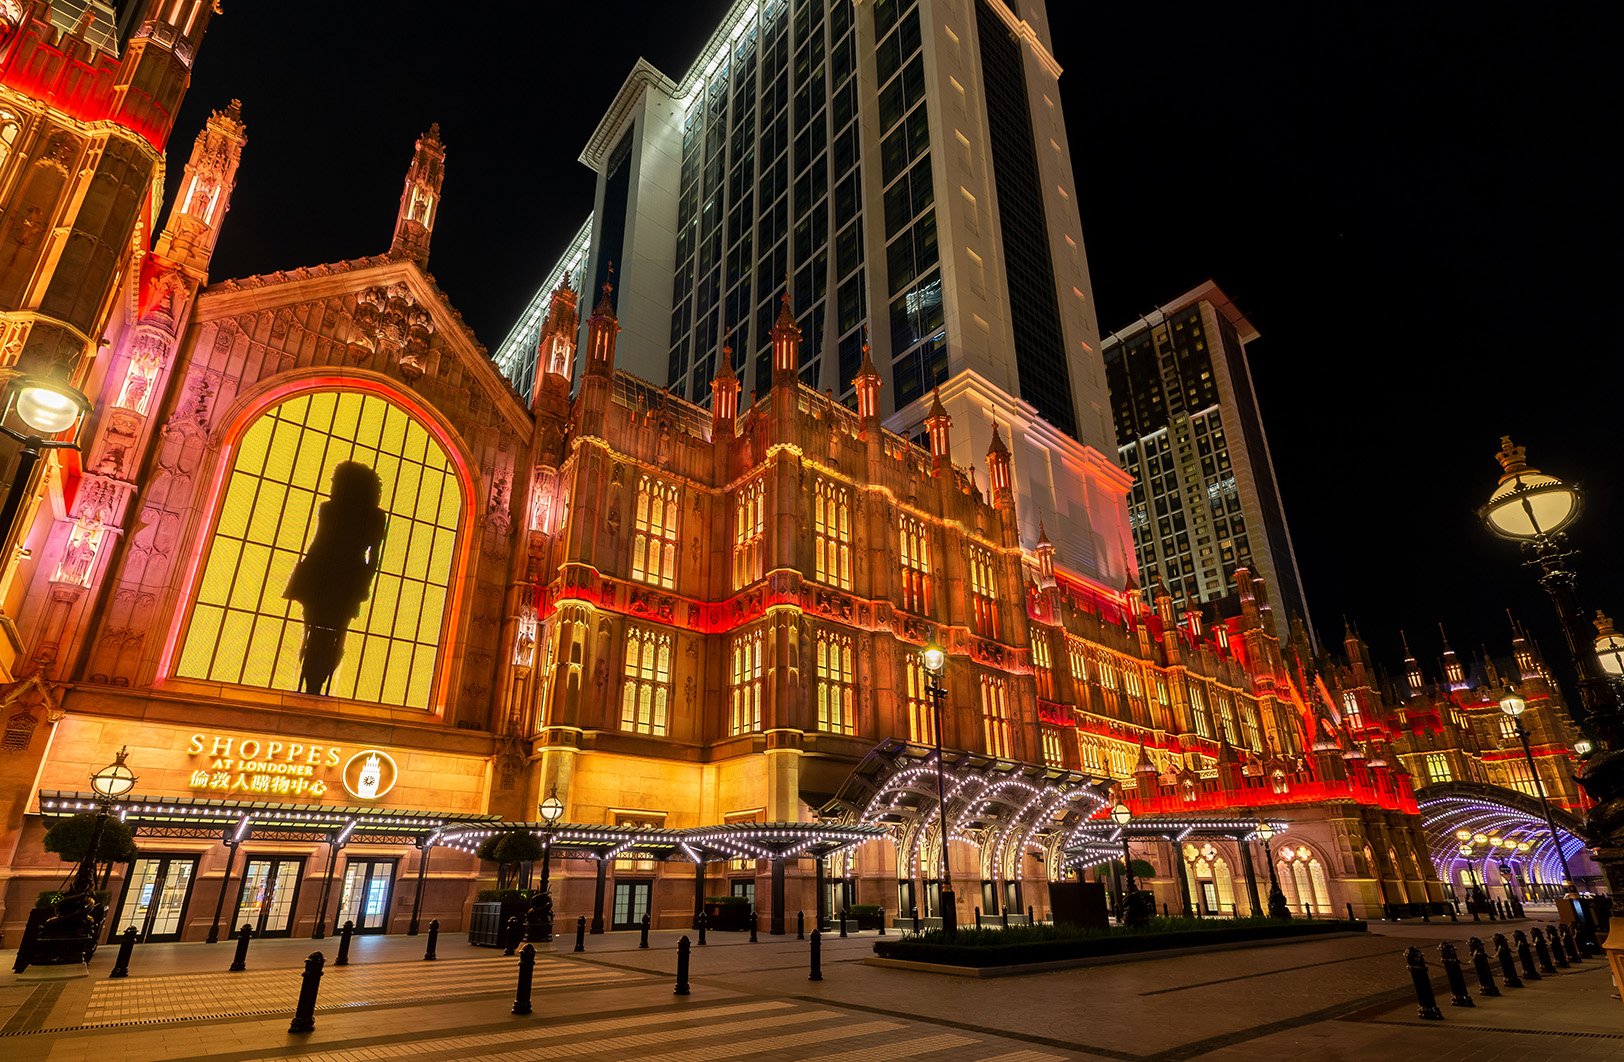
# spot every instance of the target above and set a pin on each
(245, 632)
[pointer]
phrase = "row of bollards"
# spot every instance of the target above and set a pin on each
(1557, 947)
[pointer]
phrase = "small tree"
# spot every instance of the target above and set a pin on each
(507, 851)
(70, 839)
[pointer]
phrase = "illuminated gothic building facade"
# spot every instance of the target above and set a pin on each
(340, 592)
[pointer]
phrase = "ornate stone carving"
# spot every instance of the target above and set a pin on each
(392, 324)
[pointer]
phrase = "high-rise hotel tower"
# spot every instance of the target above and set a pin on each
(892, 164)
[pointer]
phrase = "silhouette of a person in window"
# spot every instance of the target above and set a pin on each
(335, 574)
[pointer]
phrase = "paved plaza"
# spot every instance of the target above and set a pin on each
(1341, 997)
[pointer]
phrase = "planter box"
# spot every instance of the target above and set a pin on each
(487, 920)
(734, 917)
(1044, 951)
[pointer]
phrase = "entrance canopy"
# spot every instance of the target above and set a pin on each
(1099, 841)
(1496, 812)
(1001, 807)
(237, 820)
(699, 844)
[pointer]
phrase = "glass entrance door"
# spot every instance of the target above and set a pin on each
(364, 895)
(155, 897)
(270, 891)
(631, 903)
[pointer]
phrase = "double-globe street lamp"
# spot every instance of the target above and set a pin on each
(1514, 706)
(1534, 509)
(935, 660)
(47, 408)
(1278, 908)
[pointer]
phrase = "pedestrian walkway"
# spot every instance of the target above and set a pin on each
(1341, 997)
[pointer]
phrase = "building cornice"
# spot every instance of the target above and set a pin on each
(644, 75)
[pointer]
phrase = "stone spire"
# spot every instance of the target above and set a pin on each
(420, 201)
(786, 339)
(1003, 494)
(937, 425)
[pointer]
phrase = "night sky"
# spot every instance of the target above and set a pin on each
(1410, 205)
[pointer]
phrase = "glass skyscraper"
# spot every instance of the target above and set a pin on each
(897, 167)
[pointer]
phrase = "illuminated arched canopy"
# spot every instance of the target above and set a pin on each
(1495, 811)
(1003, 807)
(244, 631)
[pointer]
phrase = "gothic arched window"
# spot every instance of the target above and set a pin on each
(336, 534)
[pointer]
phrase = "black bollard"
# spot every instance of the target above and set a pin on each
(978, 919)
(239, 962)
(434, 941)
(1525, 955)
(344, 935)
(843, 923)
(527, 973)
(1540, 941)
(914, 914)
(1570, 945)
(1508, 965)
(642, 936)
(1456, 977)
(800, 925)
(1030, 920)
(703, 922)
(755, 922)
(304, 1015)
(512, 935)
(1427, 1003)
(682, 967)
(817, 957)
(126, 945)
(1480, 966)
(580, 933)
(1003, 918)
(1543, 951)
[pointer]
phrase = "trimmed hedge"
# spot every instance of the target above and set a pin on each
(1020, 945)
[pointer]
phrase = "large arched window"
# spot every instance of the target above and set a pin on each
(9, 128)
(332, 554)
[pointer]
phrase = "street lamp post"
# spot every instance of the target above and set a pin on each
(1133, 913)
(1514, 706)
(1278, 908)
(935, 661)
(47, 408)
(1533, 509)
(552, 809)
(69, 936)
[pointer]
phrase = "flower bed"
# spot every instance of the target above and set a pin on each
(1020, 945)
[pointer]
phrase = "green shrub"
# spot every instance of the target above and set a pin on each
(503, 896)
(1048, 943)
(50, 897)
(70, 839)
(741, 901)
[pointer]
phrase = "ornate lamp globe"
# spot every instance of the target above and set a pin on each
(1609, 647)
(1120, 814)
(48, 407)
(552, 808)
(1496, 841)
(1512, 704)
(1584, 747)
(1463, 834)
(1265, 831)
(115, 780)
(1466, 850)
(1480, 838)
(934, 657)
(1528, 504)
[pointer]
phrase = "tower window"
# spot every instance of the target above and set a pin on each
(831, 528)
(995, 717)
(836, 682)
(746, 685)
(914, 548)
(654, 541)
(645, 692)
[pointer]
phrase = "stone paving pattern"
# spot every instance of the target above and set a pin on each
(1343, 997)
